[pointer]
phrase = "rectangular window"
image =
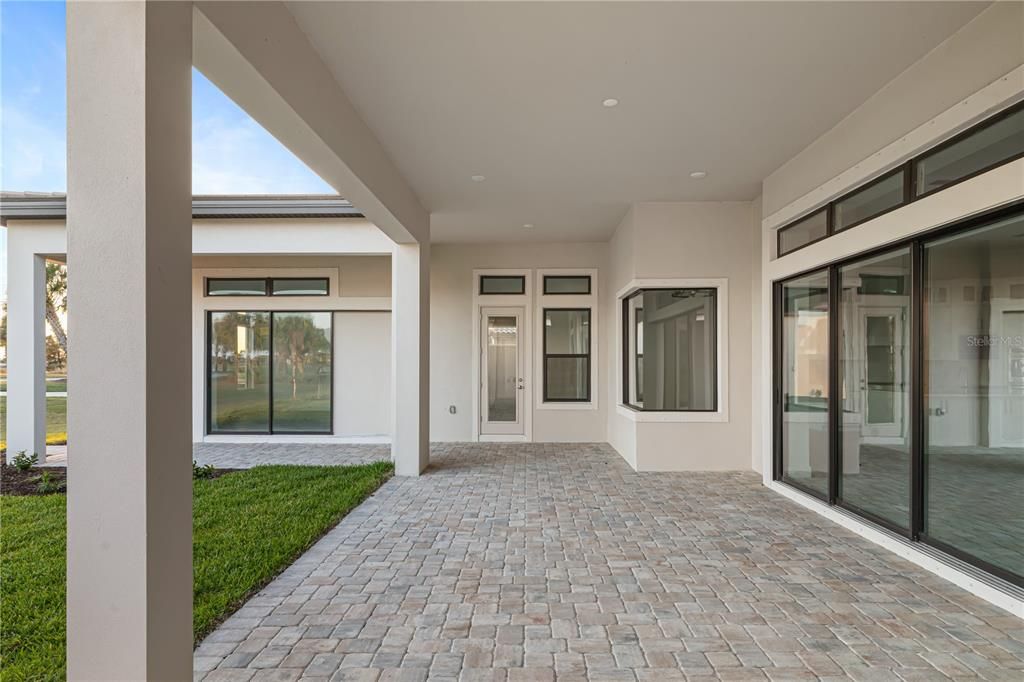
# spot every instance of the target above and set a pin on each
(566, 355)
(975, 151)
(299, 286)
(256, 286)
(671, 349)
(508, 285)
(809, 230)
(870, 201)
(238, 382)
(974, 395)
(555, 285)
(269, 372)
(804, 374)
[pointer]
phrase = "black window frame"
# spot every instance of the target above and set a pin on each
(628, 359)
(208, 386)
(268, 286)
(916, 243)
(483, 278)
(910, 194)
(588, 356)
(588, 292)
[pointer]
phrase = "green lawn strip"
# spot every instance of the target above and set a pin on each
(32, 588)
(248, 526)
(56, 420)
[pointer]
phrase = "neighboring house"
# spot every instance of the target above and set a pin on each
(844, 318)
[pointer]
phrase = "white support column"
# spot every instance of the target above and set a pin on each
(410, 347)
(26, 347)
(129, 597)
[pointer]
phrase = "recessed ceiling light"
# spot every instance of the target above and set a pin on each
(527, 224)
(698, 174)
(610, 102)
(477, 178)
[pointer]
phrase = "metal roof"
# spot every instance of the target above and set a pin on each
(54, 206)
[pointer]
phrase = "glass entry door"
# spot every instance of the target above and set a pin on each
(502, 376)
(882, 383)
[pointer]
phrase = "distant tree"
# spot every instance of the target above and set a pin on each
(297, 341)
(3, 326)
(56, 299)
(56, 358)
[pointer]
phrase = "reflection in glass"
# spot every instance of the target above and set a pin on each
(874, 362)
(236, 287)
(671, 345)
(239, 379)
(294, 286)
(503, 284)
(567, 355)
(502, 368)
(805, 368)
(870, 201)
(974, 393)
(810, 229)
(986, 147)
(302, 372)
(566, 284)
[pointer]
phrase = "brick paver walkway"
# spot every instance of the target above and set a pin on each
(527, 562)
(246, 455)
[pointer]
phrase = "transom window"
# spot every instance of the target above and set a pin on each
(267, 286)
(498, 285)
(556, 285)
(671, 360)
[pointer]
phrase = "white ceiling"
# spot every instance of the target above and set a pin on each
(513, 91)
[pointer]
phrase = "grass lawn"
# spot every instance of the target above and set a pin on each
(247, 527)
(56, 421)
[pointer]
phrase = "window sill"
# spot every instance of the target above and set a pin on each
(567, 406)
(672, 417)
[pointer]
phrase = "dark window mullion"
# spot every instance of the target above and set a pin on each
(917, 404)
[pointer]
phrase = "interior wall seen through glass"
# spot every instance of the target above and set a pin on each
(874, 363)
(502, 368)
(567, 355)
(805, 386)
(672, 349)
(974, 393)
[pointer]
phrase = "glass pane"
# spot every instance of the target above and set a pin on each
(805, 381)
(672, 345)
(566, 332)
(986, 147)
(567, 378)
(564, 284)
(239, 381)
(302, 372)
(299, 287)
(974, 393)
(809, 229)
(870, 201)
(236, 287)
(874, 361)
(502, 368)
(497, 284)
(634, 323)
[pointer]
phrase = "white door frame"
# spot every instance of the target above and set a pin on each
(524, 301)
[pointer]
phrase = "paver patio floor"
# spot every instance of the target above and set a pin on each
(527, 562)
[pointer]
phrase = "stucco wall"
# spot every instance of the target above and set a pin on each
(451, 331)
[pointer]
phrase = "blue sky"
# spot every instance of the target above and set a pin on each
(231, 153)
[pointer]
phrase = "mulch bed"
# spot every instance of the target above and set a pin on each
(14, 481)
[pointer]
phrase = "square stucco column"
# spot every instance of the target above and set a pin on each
(129, 554)
(26, 347)
(410, 348)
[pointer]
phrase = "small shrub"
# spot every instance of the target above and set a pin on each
(23, 462)
(47, 484)
(205, 471)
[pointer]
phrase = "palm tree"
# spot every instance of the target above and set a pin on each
(57, 299)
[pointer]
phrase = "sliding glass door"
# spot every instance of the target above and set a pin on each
(900, 389)
(974, 393)
(804, 372)
(269, 372)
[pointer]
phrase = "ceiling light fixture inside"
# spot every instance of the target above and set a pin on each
(477, 178)
(610, 102)
(527, 224)
(697, 175)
